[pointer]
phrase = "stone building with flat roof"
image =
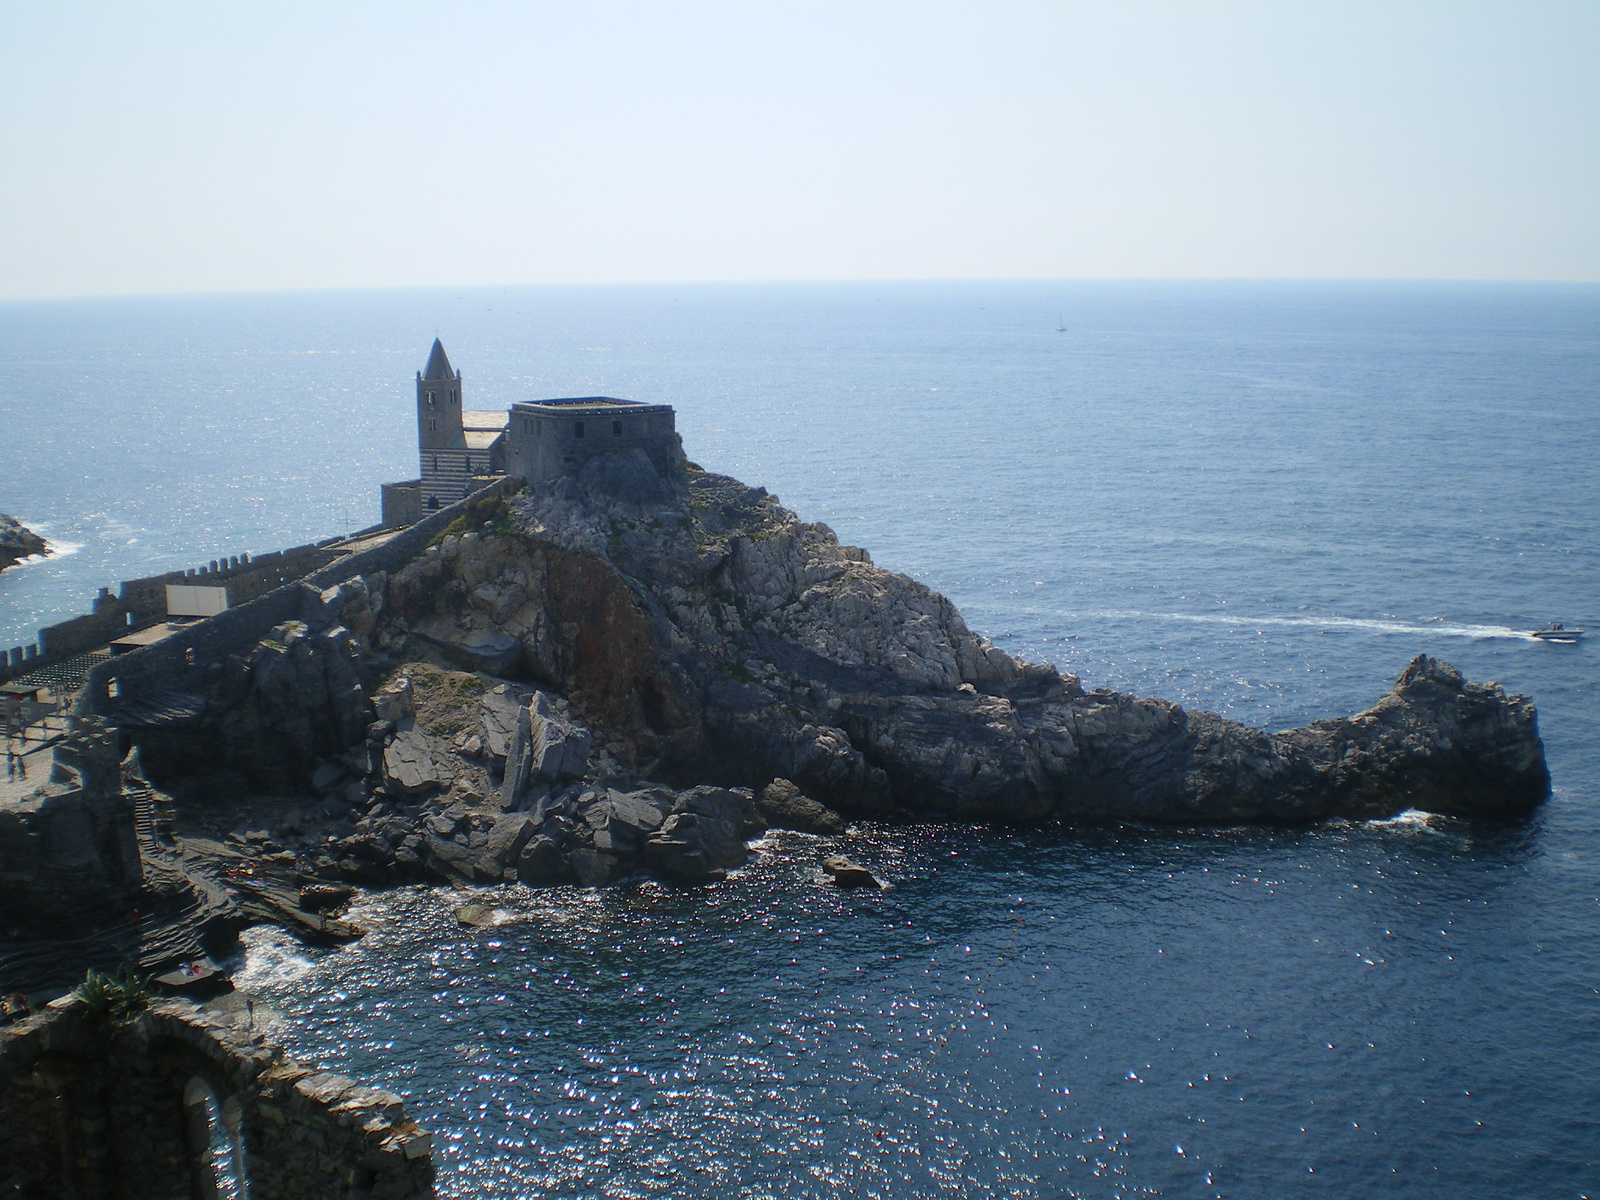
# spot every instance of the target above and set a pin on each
(460, 449)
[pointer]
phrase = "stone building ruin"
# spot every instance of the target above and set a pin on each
(460, 450)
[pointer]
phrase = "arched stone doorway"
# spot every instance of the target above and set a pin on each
(216, 1140)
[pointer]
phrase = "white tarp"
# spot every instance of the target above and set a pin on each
(185, 600)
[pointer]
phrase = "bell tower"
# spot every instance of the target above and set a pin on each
(441, 437)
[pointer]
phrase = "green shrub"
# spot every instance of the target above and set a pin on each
(119, 994)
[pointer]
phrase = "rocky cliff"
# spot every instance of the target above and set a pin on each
(17, 542)
(715, 637)
(633, 669)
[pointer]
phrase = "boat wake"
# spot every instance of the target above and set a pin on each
(1439, 628)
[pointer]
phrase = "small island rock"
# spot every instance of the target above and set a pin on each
(18, 542)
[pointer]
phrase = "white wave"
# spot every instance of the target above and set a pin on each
(1412, 817)
(271, 956)
(1439, 628)
(56, 550)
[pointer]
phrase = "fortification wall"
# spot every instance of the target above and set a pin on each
(180, 662)
(545, 441)
(139, 603)
(170, 1103)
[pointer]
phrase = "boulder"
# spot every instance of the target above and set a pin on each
(325, 776)
(782, 804)
(595, 868)
(458, 863)
(559, 745)
(394, 702)
(621, 821)
(413, 765)
(847, 873)
(540, 864)
(736, 807)
(325, 897)
(508, 836)
(694, 848)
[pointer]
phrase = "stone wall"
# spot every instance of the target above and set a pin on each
(139, 603)
(181, 1101)
(179, 663)
(68, 854)
(544, 442)
(401, 503)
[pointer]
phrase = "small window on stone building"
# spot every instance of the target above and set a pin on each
(435, 462)
(432, 424)
(616, 429)
(433, 502)
(577, 429)
(430, 397)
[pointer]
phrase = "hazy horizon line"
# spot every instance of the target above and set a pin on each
(1397, 280)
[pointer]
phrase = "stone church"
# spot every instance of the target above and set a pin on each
(461, 449)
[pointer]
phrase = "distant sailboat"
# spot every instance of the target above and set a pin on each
(1060, 325)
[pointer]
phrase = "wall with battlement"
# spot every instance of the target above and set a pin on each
(179, 663)
(176, 1099)
(140, 603)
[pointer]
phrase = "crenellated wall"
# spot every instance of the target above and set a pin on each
(179, 663)
(182, 1101)
(139, 603)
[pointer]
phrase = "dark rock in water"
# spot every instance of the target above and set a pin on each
(704, 835)
(596, 869)
(325, 897)
(848, 873)
(787, 807)
(17, 542)
(540, 864)
(475, 915)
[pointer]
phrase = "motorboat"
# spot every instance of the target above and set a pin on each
(1557, 632)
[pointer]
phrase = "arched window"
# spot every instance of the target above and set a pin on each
(216, 1138)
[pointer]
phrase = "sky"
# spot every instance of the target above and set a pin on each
(197, 147)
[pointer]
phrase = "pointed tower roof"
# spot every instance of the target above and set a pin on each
(438, 363)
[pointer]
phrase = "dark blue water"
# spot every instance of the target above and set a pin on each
(1259, 498)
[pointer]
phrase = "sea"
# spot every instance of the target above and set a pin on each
(1260, 498)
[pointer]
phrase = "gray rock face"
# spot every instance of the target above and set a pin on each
(17, 542)
(497, 719)
(719, 637)
(786, 806)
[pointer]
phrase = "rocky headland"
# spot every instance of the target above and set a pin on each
(18, 542)
(641, 668)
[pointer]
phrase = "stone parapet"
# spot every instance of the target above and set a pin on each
(177, 1099)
